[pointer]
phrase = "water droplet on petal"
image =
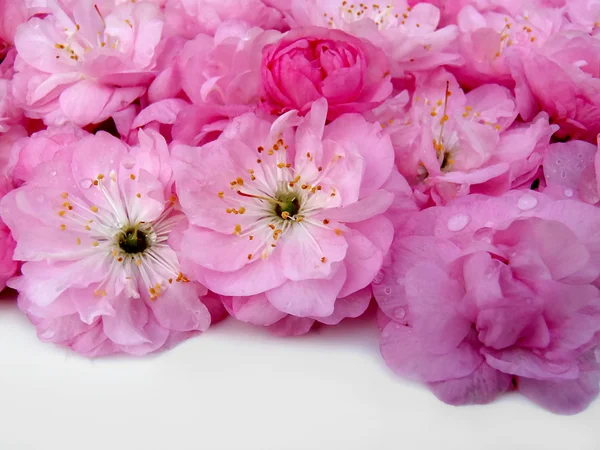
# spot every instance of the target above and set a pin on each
(387, 290)
(458, 222)
(568, 192)
(563, 174)
(489, 224)
(85, 183)
(558, 162)
(399, 313)
(527, 202)
(53, 173)
(579, 167)
(128, 163)
(378, 278)
(580, 155)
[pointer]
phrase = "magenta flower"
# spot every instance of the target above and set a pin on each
(287, 217)
(488, 294)
(310, 63)
(82, 67)
(92, 228)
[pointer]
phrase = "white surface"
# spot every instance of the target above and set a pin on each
(236, 387)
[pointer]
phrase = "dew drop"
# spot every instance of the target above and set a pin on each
(558, 162)
(568, 192)
(563, 174)
(458, 222)
(527, 202)
(128, 163)
(555, 367)
(378, 278)
(53, 173)
(580, 155)
(85, 183)
(387, 290)
(399, 313)
(579, 167)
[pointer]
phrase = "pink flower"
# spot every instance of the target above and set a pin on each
(450, 144)
(287, 217)
(585, 14)
(409, 36)
(488, 294)
(225, 69)
(10, 113)
(12, 14)
(571, 170)
(8, 266)
(490, 41)
(192, 17)
(563, 78)
(27, 154)
(85, 66)
(310, 63)
(92, 228)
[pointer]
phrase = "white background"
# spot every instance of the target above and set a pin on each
(237, 387)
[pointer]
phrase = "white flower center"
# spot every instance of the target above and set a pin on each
(136, 250)
(277, 196)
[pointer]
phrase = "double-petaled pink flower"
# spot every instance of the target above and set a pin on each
(490, 294)
(287, 217)
(92, 231)
(84, 65)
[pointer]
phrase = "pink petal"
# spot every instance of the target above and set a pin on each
(481, 386)
(291, 326)
(83, 102)
(308, 298)
(406, 352)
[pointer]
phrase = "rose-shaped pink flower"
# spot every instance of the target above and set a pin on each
(312, 62)
(488, 294)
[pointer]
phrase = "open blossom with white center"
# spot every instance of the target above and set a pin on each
(92, 228)
(84, 65)
(409, 36)
(288, 217)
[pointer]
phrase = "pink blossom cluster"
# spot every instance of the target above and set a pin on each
(167, 163)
